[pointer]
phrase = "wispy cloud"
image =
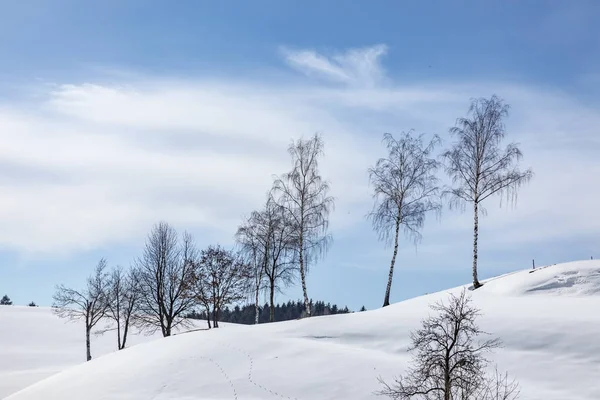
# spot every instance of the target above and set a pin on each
(91, 164)
(357, 67)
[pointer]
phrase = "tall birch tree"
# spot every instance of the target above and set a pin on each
(405, 189)
(304, 196)
(478, 166)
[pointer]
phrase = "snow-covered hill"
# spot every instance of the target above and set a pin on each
(548, 320)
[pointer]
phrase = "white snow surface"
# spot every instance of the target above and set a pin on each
(548, 321)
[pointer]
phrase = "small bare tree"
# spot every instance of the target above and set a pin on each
(449, 361)
(405, 189)
(221, 277)
(478, 166)
(281, 266)
(304, 196)
(269, 237)
(499, 387)
(123, 301)
(249, 237)
(89, 304)
(164, 272)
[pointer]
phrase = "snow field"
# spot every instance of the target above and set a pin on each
(548, 322)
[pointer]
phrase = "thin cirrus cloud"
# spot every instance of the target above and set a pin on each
(97, 164)
(357, 67)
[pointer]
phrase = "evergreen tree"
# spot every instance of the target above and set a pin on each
(6, 301)
(32, 304)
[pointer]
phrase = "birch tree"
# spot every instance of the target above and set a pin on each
(269, 237)
(405, 189)
(249, 237)
(305, 198)
(281, 266)
(164, 272)
(89, 305)
(478, 166)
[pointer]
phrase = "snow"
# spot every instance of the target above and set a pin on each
(547, 320)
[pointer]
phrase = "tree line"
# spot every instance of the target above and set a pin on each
(246, 314)
(276, 245)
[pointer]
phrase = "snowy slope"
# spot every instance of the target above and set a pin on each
(548, 320)
(35, 344)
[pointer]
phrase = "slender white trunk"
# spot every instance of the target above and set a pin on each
(256, 309)
(303, 278)
(476, 283)
(386, 300)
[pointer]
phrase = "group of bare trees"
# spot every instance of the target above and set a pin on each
(406, 187)
(283, 239)
(168, 281)
(107, 296)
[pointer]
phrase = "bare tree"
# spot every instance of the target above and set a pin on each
(164, 274)
(405, 189)
(123, 301)
(479, 168)
(89, 304)
(250, 239)
(304, 195)
(269, 237)
(499, 387)
(449, 361)
(221, 277)
(281, 266)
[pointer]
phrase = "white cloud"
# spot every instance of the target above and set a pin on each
(94, 164)
(356, 67)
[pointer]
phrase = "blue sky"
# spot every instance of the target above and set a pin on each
(118, 114)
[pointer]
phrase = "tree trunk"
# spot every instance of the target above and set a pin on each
(215, 317)
(476, 283)
(303, 279)
(272, 302)
(125, 329)
(256, 309)
(167, 329)
(208, 317)
(88, 346)
(119, 335)
(386, 299)
(447, 387)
